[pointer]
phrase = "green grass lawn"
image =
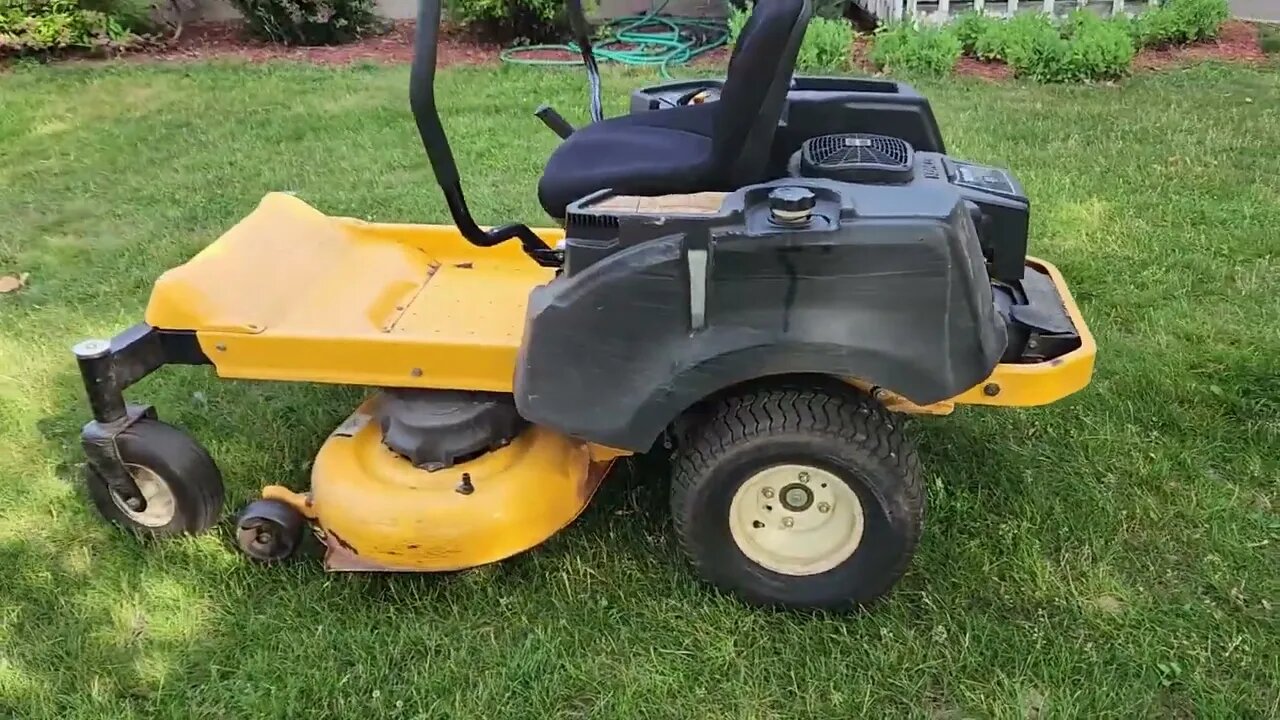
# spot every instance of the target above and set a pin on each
(1111, 556)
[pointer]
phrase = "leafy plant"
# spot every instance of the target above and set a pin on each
(133, 15)
(1269, 39)
(42, 26)
(827, 44)
(310, 22)
(530, 20)
(1097, 49)
(1026, 41)
(916, 49)
(971, 26)
(738, 17)
(1180, 21)
(1084, 47)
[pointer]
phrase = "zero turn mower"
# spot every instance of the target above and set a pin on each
(758, 273)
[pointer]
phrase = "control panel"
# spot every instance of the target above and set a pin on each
(1004, 212)
(988, 179)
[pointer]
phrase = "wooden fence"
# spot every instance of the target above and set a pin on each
(941, 10)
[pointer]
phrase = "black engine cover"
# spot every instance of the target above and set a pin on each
(436, 429)
(654, 312)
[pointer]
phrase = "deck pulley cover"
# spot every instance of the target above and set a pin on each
(436, 429)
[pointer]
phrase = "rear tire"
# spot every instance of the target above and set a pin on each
(798, 497)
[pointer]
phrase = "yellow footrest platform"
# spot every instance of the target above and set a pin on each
(293, 294)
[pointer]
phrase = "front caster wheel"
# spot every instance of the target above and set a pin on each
(179, 481)
(808, 498)
(269, 530)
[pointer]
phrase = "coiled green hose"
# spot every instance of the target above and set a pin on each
(649, 40)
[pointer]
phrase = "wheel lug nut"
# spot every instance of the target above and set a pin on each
(824, 507)
(767, 492)
(788, 522)
(804, 477)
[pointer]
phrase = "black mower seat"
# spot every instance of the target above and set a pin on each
(721, 145)
(653, 153)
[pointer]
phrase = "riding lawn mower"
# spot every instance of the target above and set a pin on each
(757, 276)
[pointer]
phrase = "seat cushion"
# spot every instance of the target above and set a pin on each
(628, 156)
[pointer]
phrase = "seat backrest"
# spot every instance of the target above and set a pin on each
(755, 89)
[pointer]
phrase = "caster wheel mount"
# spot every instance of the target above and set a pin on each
(269, 531)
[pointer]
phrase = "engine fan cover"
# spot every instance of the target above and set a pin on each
(858, 158)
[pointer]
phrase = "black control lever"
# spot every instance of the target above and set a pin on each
(554, 121)
(422, 100)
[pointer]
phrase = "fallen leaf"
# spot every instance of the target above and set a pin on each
(1033, 704)
(1109, 604)
(13, 283)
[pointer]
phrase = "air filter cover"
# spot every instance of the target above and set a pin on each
(858, 157)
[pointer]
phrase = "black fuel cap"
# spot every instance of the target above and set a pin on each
(791, 205)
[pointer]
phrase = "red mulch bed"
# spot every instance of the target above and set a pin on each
(1238, 42)
(973, 67)
(205, 41)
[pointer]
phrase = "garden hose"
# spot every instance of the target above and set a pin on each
(648, 40)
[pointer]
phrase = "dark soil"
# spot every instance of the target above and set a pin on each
(987, 70)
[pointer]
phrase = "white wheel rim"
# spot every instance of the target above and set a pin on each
(796, 519)
(161, 505)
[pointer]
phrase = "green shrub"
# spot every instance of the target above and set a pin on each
(1154, 28)
(1269, 39)
(1180, 21)
(310, 22)
(1097, 49)
(738, 20)
(1026, 42)
(503, 20)
(134, 15)
(1198, 20)
(42, 26)
(971, 26)
(915, 49)
(1084, 47)
(827, 45)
